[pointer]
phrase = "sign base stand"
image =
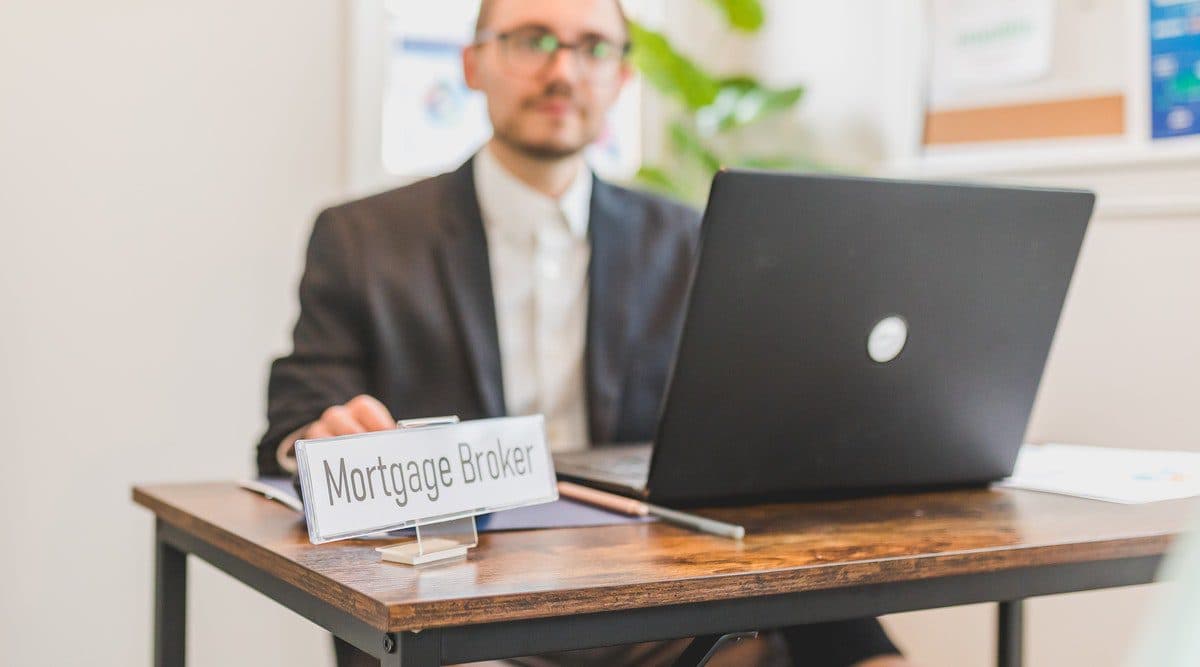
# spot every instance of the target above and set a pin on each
(435, 542)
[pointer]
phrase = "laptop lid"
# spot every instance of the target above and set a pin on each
(858, 334)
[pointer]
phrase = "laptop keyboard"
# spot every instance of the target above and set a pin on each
(625, 465)
(629, 462)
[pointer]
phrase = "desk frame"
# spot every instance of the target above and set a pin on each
(528, 637)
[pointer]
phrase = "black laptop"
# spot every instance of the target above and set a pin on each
(852, 336)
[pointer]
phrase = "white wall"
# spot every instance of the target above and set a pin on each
(160, 165)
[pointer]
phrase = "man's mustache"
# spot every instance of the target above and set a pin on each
(554, 91)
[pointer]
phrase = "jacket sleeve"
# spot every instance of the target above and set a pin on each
(327, 365)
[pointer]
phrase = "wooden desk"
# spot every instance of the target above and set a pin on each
(529, 592)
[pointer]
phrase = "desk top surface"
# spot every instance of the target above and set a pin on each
(788, 548)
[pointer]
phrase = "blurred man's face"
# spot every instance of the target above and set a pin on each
(544, 99)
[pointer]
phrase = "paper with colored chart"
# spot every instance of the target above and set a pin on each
(1105, 473)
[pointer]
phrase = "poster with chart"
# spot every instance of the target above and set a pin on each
(1174, 68)
(431, 121)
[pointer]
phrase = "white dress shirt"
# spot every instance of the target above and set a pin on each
(538, 250)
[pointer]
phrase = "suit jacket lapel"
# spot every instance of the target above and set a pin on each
(611, 277)
(466, 271)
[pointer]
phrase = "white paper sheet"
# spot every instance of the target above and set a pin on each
(1104, 473)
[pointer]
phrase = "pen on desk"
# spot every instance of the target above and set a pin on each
(623, 505)
(711, 526)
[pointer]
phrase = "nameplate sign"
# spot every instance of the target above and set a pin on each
(359, 484)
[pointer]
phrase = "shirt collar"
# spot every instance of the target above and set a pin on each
(509, 204)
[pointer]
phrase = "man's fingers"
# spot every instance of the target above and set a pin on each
(317, 430)
(370, 413)
(363, 413)
(339, 420)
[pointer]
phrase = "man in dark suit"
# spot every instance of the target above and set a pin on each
(517, 284)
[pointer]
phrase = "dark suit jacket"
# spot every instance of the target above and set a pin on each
(396, 302)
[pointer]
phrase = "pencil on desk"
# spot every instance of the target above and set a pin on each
(608, 501)
(630, 506)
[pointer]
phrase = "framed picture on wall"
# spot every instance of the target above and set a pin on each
(1025, 71)
(1174, 68)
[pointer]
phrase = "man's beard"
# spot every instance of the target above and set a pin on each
(547, 150)
(540, 151)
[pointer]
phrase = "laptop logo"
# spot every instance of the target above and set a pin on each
(887, 339)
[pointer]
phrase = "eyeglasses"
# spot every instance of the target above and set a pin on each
(527, 51)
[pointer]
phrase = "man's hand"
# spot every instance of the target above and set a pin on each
(360, 414)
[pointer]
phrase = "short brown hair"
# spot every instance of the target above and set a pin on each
(485, 9)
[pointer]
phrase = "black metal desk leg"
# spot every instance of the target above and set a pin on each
(412, 649)
(1010, 636)
(170, 602)
(701, 650)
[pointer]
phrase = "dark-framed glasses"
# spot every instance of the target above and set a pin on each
(528, 50)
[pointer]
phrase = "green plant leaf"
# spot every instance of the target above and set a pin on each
(742, 101)
(689, 143)
(669, 71)
(744, 15)
(782, 99)
(785, 163)
(711, 106)
(657, 178)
